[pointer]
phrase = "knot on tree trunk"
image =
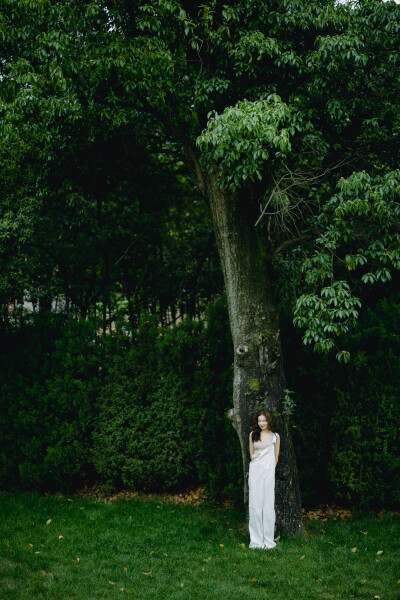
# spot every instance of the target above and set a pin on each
(242, 350)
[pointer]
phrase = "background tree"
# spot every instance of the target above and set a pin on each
(160, 68)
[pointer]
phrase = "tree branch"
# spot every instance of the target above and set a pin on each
(181, 137)
(289, 243)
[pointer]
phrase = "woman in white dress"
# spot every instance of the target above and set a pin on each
(264, 453)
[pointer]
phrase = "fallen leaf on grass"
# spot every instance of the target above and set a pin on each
(125, 568)
(60, 537)
(301, 557)
(48, 521)
(221, 546)
(277, 538)
(43, 572)
(37, 552)
(111, 582)
(243, 545)
(181, 585)
(78, 560)
(354, 549)
(253, 579)
(121, 589)
(364, 532)
(377, 597)
(147, 573)
(207, 559)
(30, 545)
(379, 552)
(363, 581)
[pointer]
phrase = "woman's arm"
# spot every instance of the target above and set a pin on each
(251, 445)
(277, 448)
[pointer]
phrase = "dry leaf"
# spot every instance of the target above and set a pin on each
(377, 597)
(37, 552)
(354, 549)
(221, 545)
(147, 573)
(363, 581)
(277, 538)
(364, 532)
(111, 582)
(125, 568)
(243, 545)
(121, 589)
(31, 545)
(181, 585)
(78, 559)
(301, 557)
(253, 579)
(60, 537)
(379, 552)
(42, 572)
(69, 500)
(48, 522)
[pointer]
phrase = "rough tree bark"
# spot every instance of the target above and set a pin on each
(259, 379)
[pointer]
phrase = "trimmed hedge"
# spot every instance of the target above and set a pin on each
(147, 408)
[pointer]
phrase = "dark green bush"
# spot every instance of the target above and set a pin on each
(347, 420)
(162, 422)
(144, 444)
(145, 408)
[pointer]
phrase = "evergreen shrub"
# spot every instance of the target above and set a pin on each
(144, 408)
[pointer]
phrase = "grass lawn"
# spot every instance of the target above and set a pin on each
(140, 549)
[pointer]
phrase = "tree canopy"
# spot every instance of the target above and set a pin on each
(294, 103)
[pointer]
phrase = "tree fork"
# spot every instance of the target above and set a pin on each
(259, 379)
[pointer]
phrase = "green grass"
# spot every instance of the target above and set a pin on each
(146, 549)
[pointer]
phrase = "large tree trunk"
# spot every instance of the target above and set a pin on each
(259, 380)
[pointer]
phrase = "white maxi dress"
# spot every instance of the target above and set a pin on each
(262, 496)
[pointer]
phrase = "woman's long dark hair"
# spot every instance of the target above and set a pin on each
(256, 430)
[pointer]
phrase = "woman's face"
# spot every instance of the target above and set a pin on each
(262, 422)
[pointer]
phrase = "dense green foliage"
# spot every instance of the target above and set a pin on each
(147, 408)
(113, 118)
(144, 408)
(347, 421)
(109, 110)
